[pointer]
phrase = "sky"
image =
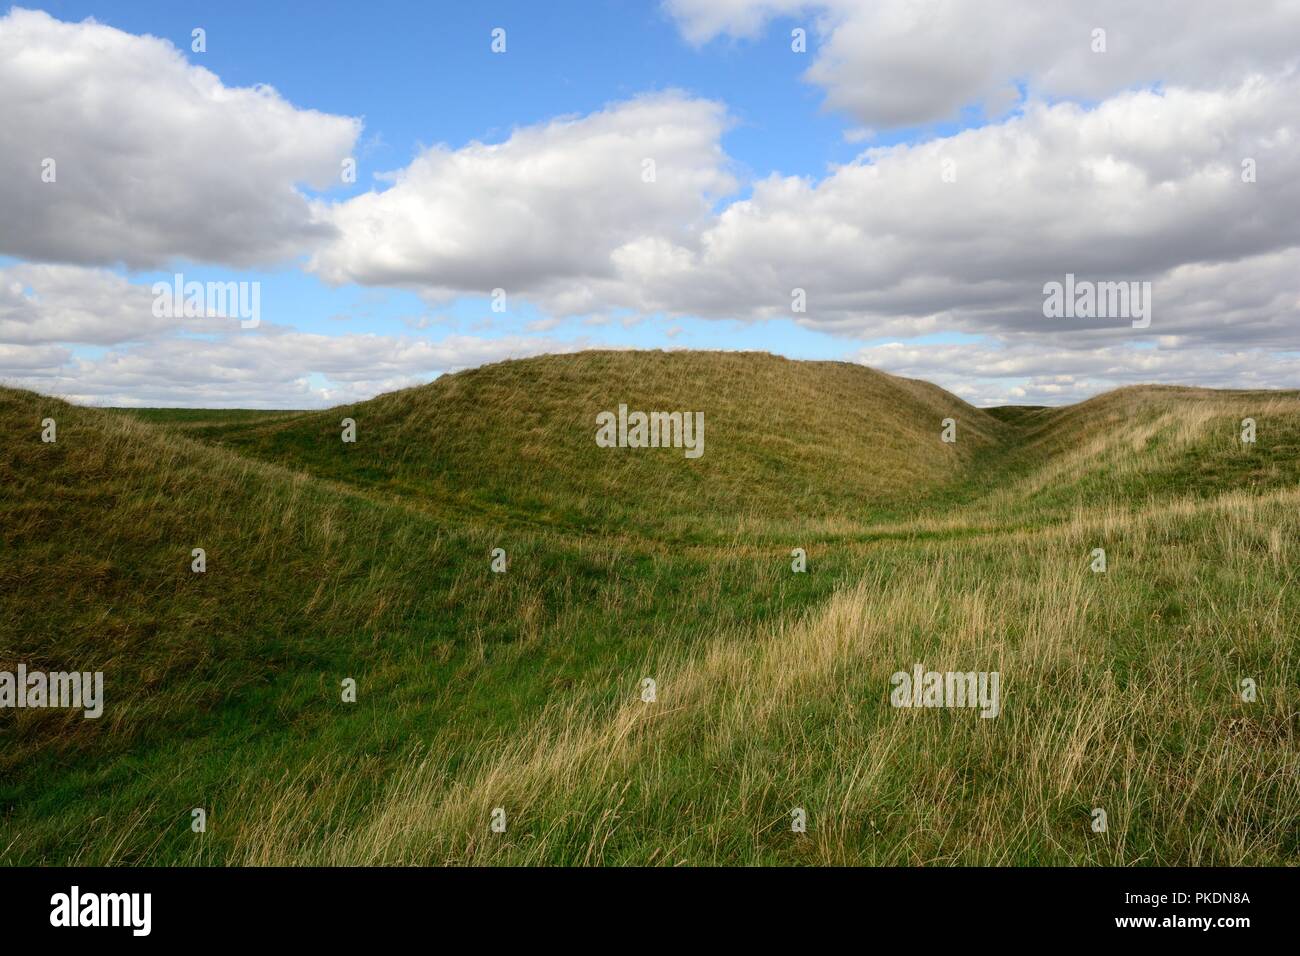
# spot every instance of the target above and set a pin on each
(411, 189)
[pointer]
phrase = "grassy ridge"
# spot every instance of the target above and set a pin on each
(785, 442)
(479, 690)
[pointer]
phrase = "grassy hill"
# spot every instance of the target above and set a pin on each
(515, 442)
(371, 561)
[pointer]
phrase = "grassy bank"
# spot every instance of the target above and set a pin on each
(370, 561)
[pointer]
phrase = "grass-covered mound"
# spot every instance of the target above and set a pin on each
(371, 561)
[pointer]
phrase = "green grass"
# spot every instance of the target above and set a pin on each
(371, 560)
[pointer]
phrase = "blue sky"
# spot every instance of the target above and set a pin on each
(826, 170)
(421, 80)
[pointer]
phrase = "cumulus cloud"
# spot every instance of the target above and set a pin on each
(270, 368)
(20, 362)
(154, 159)
(1038, 374)
(547, 213)
(46, 303)
(960, 233)
(897, 63)
(50, 314)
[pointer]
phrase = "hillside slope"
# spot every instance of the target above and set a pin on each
(370, 561)
(227, 682)
(783, 441)
(1155, 442)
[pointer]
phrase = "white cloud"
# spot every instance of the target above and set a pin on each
(546, 214)
(49, 313)
(45, 303)
(155, 159)
(23, 361)
(910, 62)
(1144, 186)
(269, 368)
(1037, 374)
